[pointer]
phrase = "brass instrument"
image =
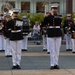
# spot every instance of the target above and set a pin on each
(47, 26)
(45, 29)
(73, 34)
(45, 32)
(69, 27)
(0, 27)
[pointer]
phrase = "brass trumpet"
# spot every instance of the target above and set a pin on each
(73, 34)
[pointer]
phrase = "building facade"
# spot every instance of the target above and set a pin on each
(34, 6)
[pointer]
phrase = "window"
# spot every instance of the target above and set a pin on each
(12, 3)
(40, 7)
(25, 7)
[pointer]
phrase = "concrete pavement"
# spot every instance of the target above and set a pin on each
(36, 62)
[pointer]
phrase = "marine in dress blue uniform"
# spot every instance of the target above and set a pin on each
(25, 32)
(1, 35)
(16, 38)
(54, 34)
(6, 33)
(73, 36)
(67, 24)
(44, 34)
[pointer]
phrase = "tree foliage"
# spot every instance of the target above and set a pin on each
(33, 17)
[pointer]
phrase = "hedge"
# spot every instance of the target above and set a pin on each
(33, 17)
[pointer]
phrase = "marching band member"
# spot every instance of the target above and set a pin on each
(3, 39)
(67, 24)
(73, 36)
(16, 39)
(54, 34)
(6, 32)
(1, 35)
(44, 34)
(25, 32)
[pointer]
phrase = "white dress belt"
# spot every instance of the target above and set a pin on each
(13, 31)
(9, 29)
(73, 31)
(25, 33)
(54, 26)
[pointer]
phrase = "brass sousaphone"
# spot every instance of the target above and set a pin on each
(6, 7)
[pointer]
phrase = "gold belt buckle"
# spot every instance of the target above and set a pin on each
(15, 30)
(54, 26)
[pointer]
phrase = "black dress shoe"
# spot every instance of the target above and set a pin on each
(24, 49)
(38, 43)
(44, 49)
(8, 56)
(73, 52)
(14, 67)
(56, 67)
(18, 67)
(52, 67)
(68, 49)
(1, 50)
(48, 52)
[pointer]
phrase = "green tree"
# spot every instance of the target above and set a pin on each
(33, 17)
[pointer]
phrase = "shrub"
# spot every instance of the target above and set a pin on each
(63, 18)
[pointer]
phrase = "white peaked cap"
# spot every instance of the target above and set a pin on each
(54, 5)
(68, 14)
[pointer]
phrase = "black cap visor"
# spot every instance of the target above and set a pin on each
(54, 7)
(15, 12)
